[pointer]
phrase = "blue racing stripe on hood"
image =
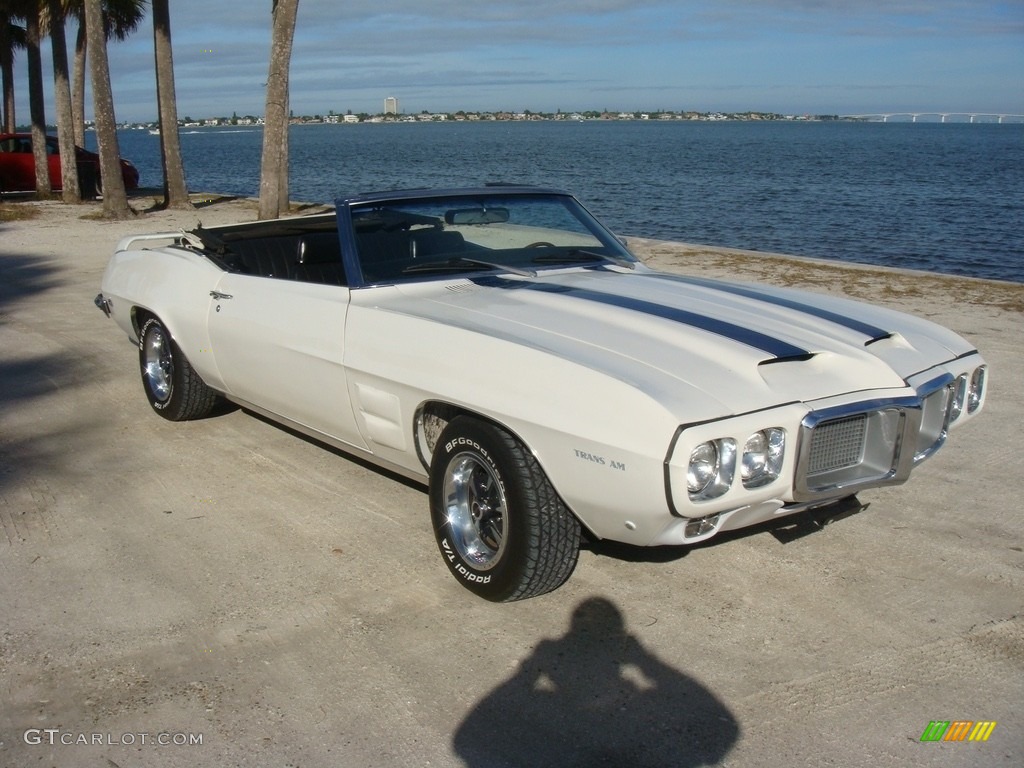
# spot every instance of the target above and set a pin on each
(773, 346)
(873, 332)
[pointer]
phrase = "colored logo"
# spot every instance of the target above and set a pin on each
(958, 730)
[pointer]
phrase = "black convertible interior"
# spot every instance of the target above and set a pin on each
(307, 251)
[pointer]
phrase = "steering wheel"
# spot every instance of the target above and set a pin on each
(541, 244)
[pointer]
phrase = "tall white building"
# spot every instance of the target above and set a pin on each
(390, 106)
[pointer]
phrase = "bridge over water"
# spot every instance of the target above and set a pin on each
(938, 117)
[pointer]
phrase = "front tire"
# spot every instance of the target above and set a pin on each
(172, 386)
(502, 530)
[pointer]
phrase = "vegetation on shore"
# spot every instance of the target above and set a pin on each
(10, 212)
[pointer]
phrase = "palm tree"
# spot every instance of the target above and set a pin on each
(12, 37)
(175, 191)
(31, 10)
(274, 163)
(70, 191)
(120, 19)
(115, 199)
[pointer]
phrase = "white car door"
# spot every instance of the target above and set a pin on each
(278, 345)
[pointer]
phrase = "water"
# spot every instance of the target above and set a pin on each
(937, 197)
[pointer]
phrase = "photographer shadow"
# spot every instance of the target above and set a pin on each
(596, 697)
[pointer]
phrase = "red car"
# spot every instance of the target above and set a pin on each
(18, 169)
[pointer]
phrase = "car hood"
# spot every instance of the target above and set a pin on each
(696, 345)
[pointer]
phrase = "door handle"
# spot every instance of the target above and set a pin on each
(218, 295)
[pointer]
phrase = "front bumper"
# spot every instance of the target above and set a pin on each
(835, 448)
(870, 444)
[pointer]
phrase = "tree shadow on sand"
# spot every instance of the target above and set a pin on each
(596, 697)
(22, 276)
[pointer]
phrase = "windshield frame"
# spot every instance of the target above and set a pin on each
(391, 219)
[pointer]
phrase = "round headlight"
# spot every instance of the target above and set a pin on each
(755, 455)
(959, 398)
(703, 467)
(977, 389)
(762, 457)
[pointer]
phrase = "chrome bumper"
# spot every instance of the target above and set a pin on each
(866, 445)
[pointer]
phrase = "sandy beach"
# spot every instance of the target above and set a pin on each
(224, 592)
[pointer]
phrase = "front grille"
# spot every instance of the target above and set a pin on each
(868, 444)
(841, 451)
(837, 444)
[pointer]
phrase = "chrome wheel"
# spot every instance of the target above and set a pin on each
(173, 387)
(158, 364)
(475, 505)
(502, 530)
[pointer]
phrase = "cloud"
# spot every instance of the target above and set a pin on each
(540, 54)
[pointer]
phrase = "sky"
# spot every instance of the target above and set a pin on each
(784, 56)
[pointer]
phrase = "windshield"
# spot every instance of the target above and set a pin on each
(441, 236)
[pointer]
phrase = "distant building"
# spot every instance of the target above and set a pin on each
(390, 106)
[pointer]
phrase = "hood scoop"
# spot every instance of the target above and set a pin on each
(802, 358)
(893, 337)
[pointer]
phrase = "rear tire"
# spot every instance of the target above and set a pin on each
(502, 530)
(173, 388)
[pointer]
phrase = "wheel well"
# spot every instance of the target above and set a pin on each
(431, 419)
(139, 318)
(434, 415)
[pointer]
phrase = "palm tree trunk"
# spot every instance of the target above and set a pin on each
(36, 104)
(78, 86)
(274, 163)
(282, 187)
(120, 19)
(115, 200)
(175, 190)
(7, 74)
(71, 193)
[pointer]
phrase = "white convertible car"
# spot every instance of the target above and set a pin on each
(504, 347)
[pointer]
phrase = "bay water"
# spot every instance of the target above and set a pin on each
(945, 198)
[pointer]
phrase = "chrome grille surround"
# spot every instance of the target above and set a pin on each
(937, 412)
(870, 443)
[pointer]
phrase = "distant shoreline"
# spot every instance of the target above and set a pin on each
(253, 121)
